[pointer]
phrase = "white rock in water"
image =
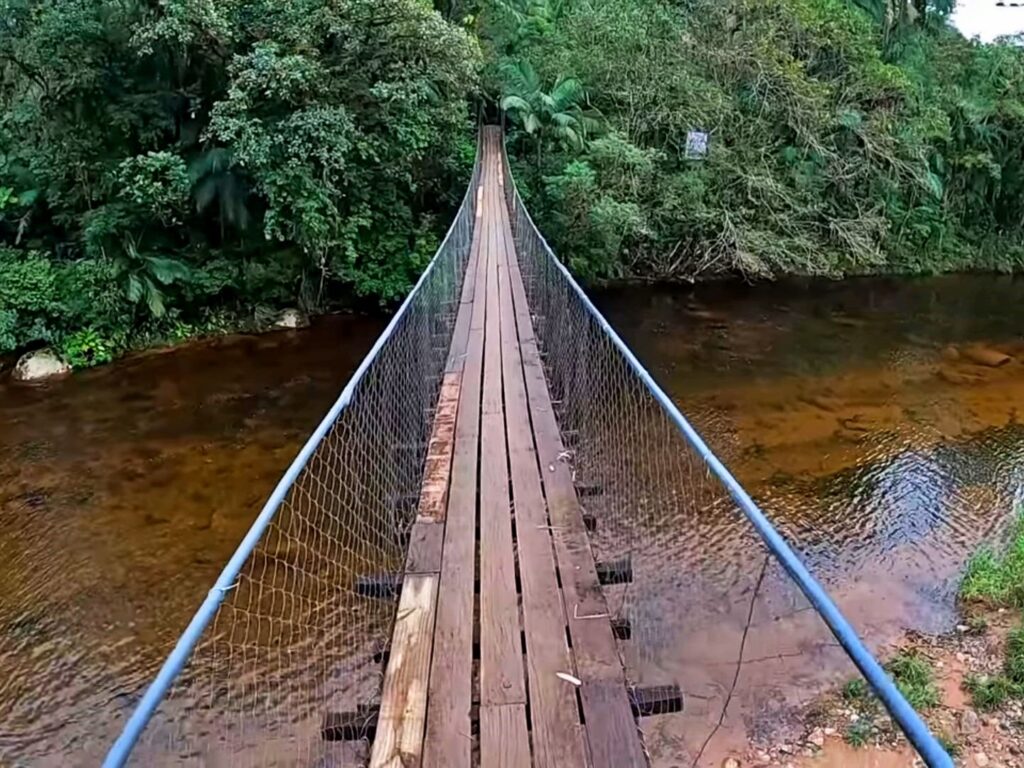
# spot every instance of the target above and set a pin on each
(291, 318)
(817, 738)
(39, 365)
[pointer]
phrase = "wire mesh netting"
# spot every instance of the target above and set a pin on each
(292, 640)
(704, 599)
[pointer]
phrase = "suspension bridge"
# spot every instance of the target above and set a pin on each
(429, 583)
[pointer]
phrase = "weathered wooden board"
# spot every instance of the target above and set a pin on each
(611, 730)
(403, 707)
(426, 541)
(557, 732)
(501, 655)
(437, 469)
(449, 740)
(504, 742)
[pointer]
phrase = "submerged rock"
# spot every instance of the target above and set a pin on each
(979, 355)
(40, 364)
(291, 319)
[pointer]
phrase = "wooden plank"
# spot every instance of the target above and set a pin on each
(611, 731)
(504, 742)
(501, 655)
(449, 741)
(558, 738)
(460, 334)
(403, 708)
(426, 541)
(436, 471)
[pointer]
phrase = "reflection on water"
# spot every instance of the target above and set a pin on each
(856, 415)
(123, 491)
(851, 411)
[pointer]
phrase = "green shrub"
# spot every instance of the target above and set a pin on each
(990, 692)
(913, 675)
(1013, 665)
(86, 348)
(997, 580)
(855, 689)
(860, 733)
(45, 300)
(231, 157)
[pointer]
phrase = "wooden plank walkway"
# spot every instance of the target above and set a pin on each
(499, 558)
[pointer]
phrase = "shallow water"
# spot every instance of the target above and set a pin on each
(851, 414)
(839, 405)
(123, 491)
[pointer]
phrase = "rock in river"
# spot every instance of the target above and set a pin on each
(980, 355)
(40, 364)
(291, 318)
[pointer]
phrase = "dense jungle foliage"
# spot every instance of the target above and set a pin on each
(171, 167)
(844, 137)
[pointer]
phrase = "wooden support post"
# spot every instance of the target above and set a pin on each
(584, 490)
(379, 585)
(655, 700)
(615, 571)
(351, 726)
(622, 628)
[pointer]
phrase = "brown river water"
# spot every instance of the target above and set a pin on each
(850, 411)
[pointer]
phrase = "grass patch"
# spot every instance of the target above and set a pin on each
(1013, 666)
(860, 733)
(913, 675)
(989, 692)
(855, 689)
(997, 580)
(977, 625)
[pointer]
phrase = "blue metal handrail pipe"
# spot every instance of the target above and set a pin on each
(905, 716)
(147, 706)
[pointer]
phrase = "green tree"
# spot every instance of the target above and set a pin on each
(558, 115)
(230, 155)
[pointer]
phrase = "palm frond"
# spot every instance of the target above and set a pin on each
(565, 120)
(134, 289)
(568, 92)
(521, 77)
(569, 136)
(154, 298)
(514, 103)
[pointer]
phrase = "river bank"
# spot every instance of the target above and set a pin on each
(847, 728)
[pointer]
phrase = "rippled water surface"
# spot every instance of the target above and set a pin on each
(852, 411)
(123, 491)
(856, 415)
